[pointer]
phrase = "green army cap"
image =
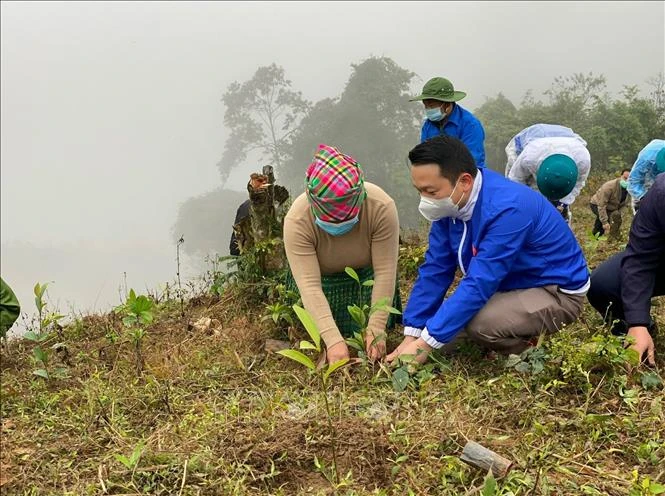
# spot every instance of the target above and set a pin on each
(441, 89)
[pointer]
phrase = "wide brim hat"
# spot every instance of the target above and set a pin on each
(441, 89)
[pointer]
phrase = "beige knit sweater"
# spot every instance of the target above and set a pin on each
(373, 241)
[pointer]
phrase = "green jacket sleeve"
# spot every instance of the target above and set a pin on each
(9, 308)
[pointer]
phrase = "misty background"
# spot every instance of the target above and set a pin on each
(112, 116)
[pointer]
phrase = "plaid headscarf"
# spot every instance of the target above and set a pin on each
(334, 184)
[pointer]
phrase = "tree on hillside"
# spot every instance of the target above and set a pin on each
(621, 129)
(262, 114)
(573, 97)
(372, 121)
(615, 130)
(206, 222)
(501, 123)
(657, 95)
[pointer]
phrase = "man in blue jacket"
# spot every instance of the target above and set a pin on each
(524, 272)
(622, 286)
(443, 116)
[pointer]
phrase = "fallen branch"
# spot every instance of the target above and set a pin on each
(480, 457)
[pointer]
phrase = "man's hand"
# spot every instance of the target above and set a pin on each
(412, 346)
(606, 227)
(337, 352)
(643, 344)
(377, 350)
(397, 351)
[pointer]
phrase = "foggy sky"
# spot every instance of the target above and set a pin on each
(111, 113)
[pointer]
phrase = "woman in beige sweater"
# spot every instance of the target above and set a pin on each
(341, 221)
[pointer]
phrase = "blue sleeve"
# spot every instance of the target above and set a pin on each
(434, 278)
(497, 251)
(473, 136)
(637, 178)
(426, 131)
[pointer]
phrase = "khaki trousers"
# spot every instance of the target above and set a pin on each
(509, 320)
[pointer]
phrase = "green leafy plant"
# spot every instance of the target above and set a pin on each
(323, 373)
(281, 311)
(489, 485)
(410, 259)
(218, 277)
(652, 452)
(360, 313)
(651, 380)
(401, 375)
(138, 313)
(530, 361)
(133, 460)
(278, 312)
(593, 241)
(644, 486)
(573, 362)
(39, 355)
(46, 320)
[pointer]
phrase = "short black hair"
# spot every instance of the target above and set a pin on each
(450, 154)
(625, 170)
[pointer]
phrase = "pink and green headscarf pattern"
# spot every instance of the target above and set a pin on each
(334, 184)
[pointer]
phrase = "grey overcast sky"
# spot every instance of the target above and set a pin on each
(111, 112)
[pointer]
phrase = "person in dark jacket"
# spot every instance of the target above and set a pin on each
(241, 213)
(444, 116)
(524, 272)
(622, 286)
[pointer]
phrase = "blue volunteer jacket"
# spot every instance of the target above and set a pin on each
(515, 239)
(463, 125)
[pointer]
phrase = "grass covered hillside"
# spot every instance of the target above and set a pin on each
(165, 397)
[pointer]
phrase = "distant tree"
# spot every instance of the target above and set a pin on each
(573, 97)
(657, 95)
(206, 222)
(374, 122)
(622, 128)
(615, 129)
(261, 114)
(501, 123)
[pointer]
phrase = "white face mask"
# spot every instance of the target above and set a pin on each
(433, 209)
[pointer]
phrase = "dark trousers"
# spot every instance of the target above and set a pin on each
(605, 292)
(614, 219)
(564, 212)
(598, 229)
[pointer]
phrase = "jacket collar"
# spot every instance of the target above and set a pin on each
(466, 212)
(455, 116)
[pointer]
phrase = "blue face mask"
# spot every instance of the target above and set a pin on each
(336, 229)
(434, 114)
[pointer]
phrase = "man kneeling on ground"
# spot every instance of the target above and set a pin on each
(524, 272)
